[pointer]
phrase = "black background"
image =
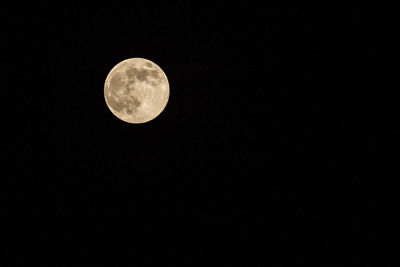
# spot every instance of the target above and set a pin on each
(273, 146)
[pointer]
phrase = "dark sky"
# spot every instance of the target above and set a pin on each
(278, 117)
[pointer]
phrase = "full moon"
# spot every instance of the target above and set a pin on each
(136, 90)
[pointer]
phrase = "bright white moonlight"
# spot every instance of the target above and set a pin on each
(136, 90)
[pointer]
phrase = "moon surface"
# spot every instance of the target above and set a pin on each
(136, 90)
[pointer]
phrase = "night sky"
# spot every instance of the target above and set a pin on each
(273, 146)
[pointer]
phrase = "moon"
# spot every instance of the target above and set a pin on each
(136, 90)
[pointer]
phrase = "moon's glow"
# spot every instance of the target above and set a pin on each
(136, 90)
